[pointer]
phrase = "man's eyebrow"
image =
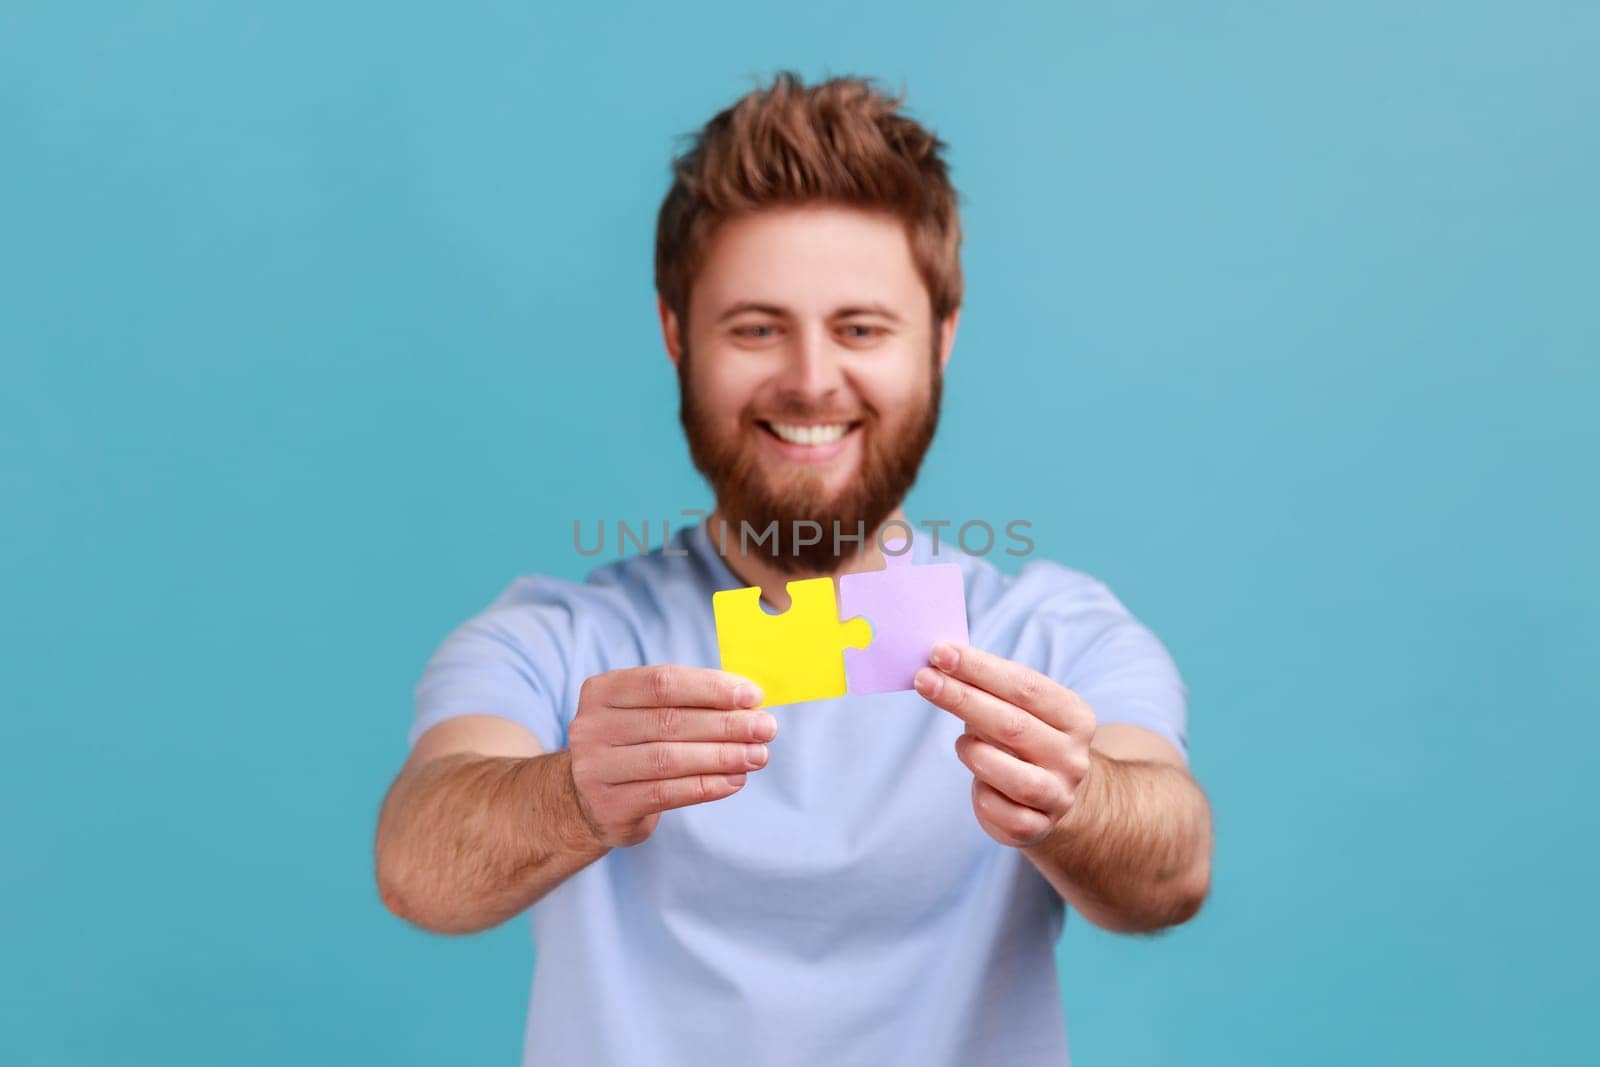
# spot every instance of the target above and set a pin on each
(839, 313)
(751, 305)
(867, 309)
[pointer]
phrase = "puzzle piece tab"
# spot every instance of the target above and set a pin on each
(911, 608)
(794, 656)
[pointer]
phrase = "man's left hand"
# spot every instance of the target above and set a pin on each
(1026, 742)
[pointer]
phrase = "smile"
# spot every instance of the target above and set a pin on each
(810, 443)
(808, 435)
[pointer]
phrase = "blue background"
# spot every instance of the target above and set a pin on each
(321, 322)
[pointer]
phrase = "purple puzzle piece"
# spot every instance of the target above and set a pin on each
(911, 608)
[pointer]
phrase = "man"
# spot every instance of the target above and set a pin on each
(866, 880)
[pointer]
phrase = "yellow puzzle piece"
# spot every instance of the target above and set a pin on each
(796, 656)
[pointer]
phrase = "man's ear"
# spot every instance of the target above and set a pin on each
(947, 337)
(669, 330)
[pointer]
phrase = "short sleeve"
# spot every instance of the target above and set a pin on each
(1128, 676)
(1096, 647)
(511, 660)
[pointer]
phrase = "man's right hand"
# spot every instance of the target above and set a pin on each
(645, 739)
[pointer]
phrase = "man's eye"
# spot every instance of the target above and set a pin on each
(861, 332)
(752, 332)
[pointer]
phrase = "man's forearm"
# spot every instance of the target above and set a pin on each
(467, 841)
(1134, 852)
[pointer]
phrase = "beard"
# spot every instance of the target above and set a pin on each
(890, 459)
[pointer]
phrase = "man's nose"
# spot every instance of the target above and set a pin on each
(813, 369)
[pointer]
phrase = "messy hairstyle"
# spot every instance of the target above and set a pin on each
(839, 141)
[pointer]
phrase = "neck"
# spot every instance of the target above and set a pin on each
(755, 568)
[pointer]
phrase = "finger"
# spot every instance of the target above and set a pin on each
(1018, 780)
(671, 685)
(658, 760)
(635, 726)
(647, 798)
(1016, 729)
(1017, 826)
(1011, 682)
(968, 732)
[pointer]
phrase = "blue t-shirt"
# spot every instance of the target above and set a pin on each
(844, 907)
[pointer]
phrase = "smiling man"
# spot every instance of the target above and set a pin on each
(867, 880)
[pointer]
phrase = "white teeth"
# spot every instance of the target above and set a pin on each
(809, 435)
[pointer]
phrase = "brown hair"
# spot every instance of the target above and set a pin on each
(838, 141)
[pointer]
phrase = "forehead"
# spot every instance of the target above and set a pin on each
(810, 258)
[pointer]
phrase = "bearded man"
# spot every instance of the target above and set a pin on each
(864, 880)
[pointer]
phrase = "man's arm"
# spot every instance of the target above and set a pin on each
(1110, 816)
(1133, 852)
(480, 823)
